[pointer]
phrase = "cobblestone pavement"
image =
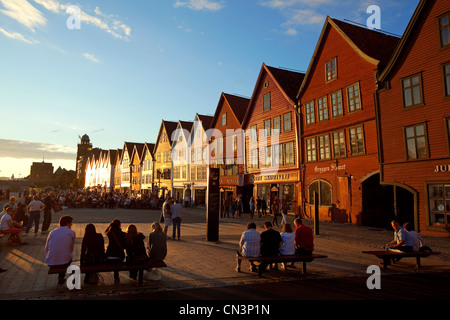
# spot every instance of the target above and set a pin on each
(194, 262)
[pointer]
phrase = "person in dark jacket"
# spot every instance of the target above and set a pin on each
(92, 249)
(135, 249)
(115, 251)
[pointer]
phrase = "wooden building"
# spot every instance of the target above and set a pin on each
(227, 145)
(118, 170)
(413, 103)
(136, 168)
(147, 173)
(338, 130)
(272, 136)
(163, 155)
(199, 158)
(181, 138)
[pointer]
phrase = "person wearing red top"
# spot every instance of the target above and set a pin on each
(304, 239)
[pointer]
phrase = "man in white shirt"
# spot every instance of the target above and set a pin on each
(7, 225)
(177, 213)
(60, 245)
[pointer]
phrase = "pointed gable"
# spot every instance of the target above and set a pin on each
(237, 104)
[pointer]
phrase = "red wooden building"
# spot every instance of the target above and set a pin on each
(227, 148)
(414, 119)
(271, 136)
(338, 130)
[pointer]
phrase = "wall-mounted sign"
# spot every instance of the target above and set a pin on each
(329, 168)
(442, 168)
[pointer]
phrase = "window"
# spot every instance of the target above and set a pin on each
(276, 126)
(447, 122)
(439, 204)
(289, 153)
(353, 98)
(356, 136)
(331, 70)
(253, 133)
(339, 147)
(412, 91)
(220, 145)
(287, 122)
(277, 155)
(444, 30)
(416, 142)
(224, 119)
(234, 143)
(311, 149)
(266, 102)
(336, 104)
(323, 190)
(268, 161)
(447, 79)
(254, 158)
(267, 127)
(322, 109)
(324, 147)
(309, 111)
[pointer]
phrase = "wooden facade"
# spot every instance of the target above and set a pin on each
(135, 167)
(271, 127)
(227, 145)
(414, 118)
(147, 172)
(163, 155)
(180, 158)
(339, 141)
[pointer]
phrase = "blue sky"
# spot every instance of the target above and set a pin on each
(133, 63)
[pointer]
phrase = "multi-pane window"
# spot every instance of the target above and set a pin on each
(254, 158)
(444, 29)
(267, 127)
(289, 153)
(331, 70)
(309, 112)
(253, 133)
(276, 126)
(447, 122)
(439, 204)
(268, 159)
(336, 104)
(311, 149)
(356, 137)
(324, 147)
(277, 155)
(412, 91)
(447, 78)
(224, 119)
(322, 109)
(416, 142)
(266, 102)
(339, 147)
(287, 123)
(353, 97)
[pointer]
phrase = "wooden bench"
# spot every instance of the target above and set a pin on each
(114, 267)
(387, 255)
(262, 262)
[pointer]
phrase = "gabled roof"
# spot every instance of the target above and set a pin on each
(183, 127)
(205, 121)
(288, 81)
(149, 147)
(129, 146)
(138, 150)
(169, 126)
(237, 104)
(402, 43)
(373, 46)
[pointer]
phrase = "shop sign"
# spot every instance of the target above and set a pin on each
(330, 168)
(442, 168)
(274, 177)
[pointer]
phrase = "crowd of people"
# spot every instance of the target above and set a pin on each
(128, 246)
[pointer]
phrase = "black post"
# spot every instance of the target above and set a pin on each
(316, 213)
(213, 205)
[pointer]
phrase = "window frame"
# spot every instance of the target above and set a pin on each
(420, 85)
(311, 197)
(310, 113)
(332, 68)
(311, 149)
(332, 105)
(291, 151)
(446, 77)
(362, 139)
(352, 86)
(285, 121)
(440, 28)
(425, 135)
(339, 144)
(266, 102)
(324, 146)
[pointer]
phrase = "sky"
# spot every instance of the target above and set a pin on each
(113, 69)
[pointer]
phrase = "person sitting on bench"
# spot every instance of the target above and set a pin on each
(304, 239)
(7, 225)
(270, 243)
(402, 240)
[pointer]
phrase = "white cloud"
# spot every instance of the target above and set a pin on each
(15, 35)
(23, 12)
(27, 149)
(299, 17)
(91, 57)
(200, 5)
(291, 32)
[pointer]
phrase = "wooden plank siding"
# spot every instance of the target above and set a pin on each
(343, 173)
(420, 53)
(279, 83)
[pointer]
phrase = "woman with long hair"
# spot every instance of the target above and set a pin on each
(135, 248)
(115, 251)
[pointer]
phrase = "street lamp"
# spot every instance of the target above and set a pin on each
(301, 167)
